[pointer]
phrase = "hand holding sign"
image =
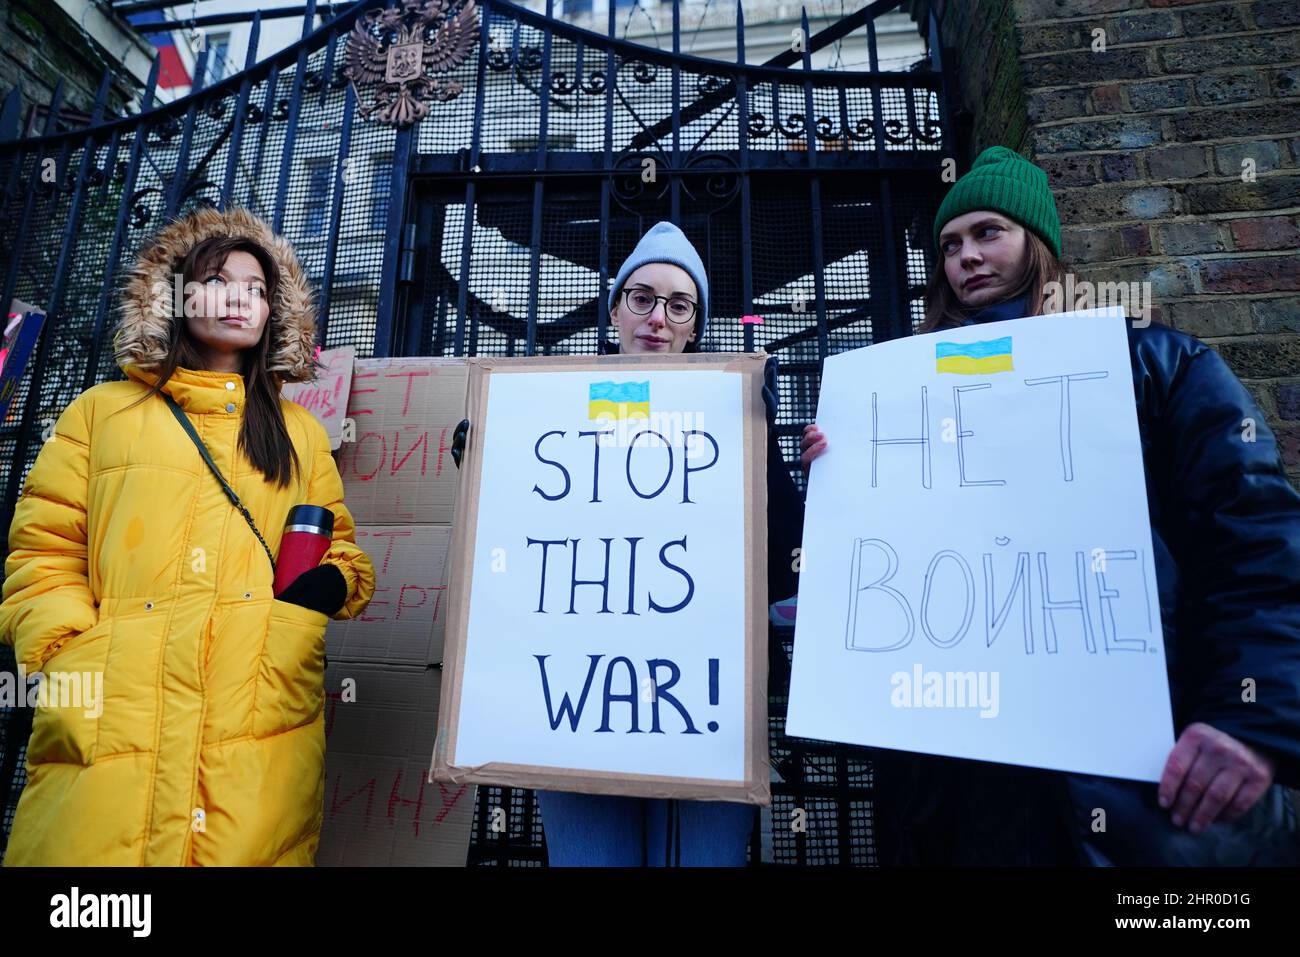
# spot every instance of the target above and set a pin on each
(1211, 776)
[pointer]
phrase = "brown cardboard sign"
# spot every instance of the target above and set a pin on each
(382, 684)
(607, 581)
(379, 807)
(398, 467)
(326, 397)
(403, 624)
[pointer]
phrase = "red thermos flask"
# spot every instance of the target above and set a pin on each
(308, 531)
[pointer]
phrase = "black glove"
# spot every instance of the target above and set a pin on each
(322, 589)
(458, 441)
(771, 397)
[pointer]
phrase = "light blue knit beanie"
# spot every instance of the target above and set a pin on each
(665, 243)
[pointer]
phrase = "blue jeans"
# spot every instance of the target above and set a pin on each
(592, 830)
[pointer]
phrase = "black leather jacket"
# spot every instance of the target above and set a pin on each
(1225, 523)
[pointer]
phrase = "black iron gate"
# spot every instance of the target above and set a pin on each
(492, 226)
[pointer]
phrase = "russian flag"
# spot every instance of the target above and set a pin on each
(171, 71)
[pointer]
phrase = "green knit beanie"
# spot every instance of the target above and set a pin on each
(1004, 181)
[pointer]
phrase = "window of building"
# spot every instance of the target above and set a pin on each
(381, 186)
(316, 205)
(219, 66)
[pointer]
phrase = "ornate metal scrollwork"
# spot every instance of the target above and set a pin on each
(193, 191)
(709, 83)
(825, 130)
(896, 131)
(530, 58)
(717, 173)
(643, 72)
(165, 130)
(398, 52)
(929, 131)
(141, 214)
(499, 59)
(861, 131)
(593, 83)
(631, 179)
(561, 84)
(795, 125)
(708, 180)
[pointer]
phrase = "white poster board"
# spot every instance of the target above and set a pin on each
(978, 576)
(606, 632)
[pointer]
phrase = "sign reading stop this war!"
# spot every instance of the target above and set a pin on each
(607, 626)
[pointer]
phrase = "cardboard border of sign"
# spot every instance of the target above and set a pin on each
(756, 787)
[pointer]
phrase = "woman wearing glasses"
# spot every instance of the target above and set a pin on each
(659, 303)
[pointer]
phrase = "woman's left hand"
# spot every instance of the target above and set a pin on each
(322, 589)
(1211, 777)
(811, 445)
(458, 441)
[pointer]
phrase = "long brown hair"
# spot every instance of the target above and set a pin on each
(943, 310)
(263, 437)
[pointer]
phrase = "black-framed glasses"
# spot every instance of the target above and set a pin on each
(678, 309)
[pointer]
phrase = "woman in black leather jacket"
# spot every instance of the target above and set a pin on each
(1225, 525)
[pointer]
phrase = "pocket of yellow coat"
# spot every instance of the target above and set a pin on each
(70, 698)
(291, 672)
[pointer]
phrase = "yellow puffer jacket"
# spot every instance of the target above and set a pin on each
(127, 560)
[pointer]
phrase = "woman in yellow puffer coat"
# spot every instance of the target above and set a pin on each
(127, 560)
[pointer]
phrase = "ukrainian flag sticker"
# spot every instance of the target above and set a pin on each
(618, 400)
(973, 358)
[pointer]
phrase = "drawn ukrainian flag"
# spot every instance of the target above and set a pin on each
(974, 358)
(618, 400)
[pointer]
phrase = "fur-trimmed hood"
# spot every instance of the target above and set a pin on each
(142, 336)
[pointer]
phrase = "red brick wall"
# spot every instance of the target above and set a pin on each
(1146, 143)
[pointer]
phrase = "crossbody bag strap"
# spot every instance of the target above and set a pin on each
(188, 426)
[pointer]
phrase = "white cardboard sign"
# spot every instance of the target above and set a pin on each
(327, 395)
(610, 616)
(978, 575)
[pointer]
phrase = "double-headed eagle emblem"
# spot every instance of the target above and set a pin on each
(399, 50)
